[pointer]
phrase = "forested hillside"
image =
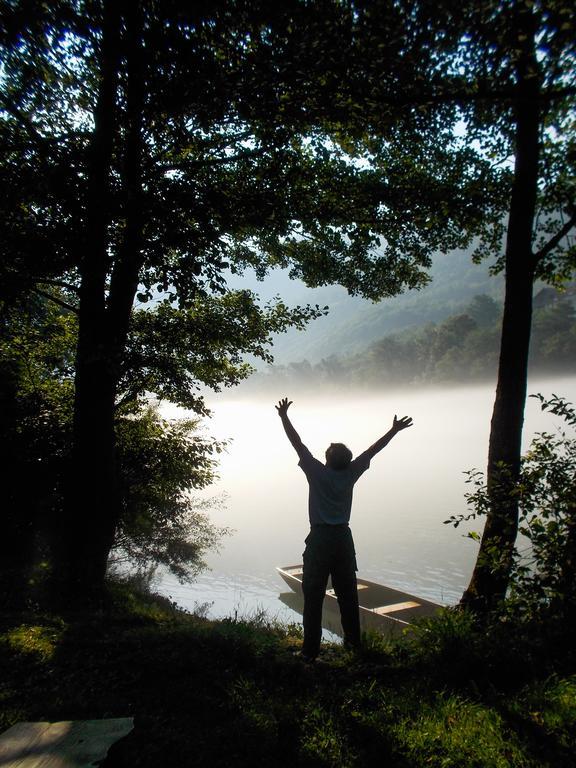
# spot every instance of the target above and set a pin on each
(461, 348)
(354, 322)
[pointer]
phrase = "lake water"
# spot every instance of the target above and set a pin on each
(399, 506)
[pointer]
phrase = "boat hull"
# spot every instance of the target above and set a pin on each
(383, 609)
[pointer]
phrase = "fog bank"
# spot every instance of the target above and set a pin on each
(400, 504)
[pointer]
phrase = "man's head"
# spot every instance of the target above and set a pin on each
(338, 456)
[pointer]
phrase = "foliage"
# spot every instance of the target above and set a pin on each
(542, 579)
(476, 59)
(172, 671)
(244, 171)
(450, 731)
(552, 705)
(172, 352)
(447, 639)
(548, 516)
(36, 348)
(36, 359)
(175, 142)
(162, 462)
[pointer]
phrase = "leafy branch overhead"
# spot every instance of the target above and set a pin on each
(231, 177)
(173, 351)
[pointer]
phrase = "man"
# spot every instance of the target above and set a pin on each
(329, 545)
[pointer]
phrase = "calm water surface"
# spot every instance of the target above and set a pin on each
(399, 506)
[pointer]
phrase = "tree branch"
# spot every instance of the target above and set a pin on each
(56, 300)
(23, 119)
(467, 95)
(132, 393)
(554, 241)
(56, 283)
(460, 96)
(184, 136)
(215, 161)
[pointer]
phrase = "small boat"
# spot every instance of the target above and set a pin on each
(384, 609)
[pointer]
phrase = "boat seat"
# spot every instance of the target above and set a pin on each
(382, 610)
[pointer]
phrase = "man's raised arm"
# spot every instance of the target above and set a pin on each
(397, 426)
(291, 433)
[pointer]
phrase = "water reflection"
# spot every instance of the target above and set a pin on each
(330, 615)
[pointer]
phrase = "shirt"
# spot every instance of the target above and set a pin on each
(330, 490)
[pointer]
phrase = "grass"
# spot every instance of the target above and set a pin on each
(223, 693)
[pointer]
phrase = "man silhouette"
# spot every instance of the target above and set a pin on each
(329, 545)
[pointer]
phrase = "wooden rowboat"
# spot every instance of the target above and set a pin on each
(382, 608)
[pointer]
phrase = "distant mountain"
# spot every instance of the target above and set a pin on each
(353, 323)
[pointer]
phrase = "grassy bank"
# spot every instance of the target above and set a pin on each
(234, 693)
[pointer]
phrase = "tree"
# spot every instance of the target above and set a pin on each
(102, 65)
(174, 143)
(497, 84)
(36, 394)
(319, 138)
(542, 586)
(160, 463)
(482, 116)
(527, 50)
(484, 310)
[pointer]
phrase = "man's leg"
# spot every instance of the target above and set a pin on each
(346, 589)
(314, 581)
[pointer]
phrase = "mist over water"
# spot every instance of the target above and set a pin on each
(399, 506)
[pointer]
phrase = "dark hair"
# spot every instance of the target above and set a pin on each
(338, 456)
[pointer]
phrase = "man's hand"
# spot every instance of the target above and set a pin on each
(399, 424)
(291, 433)
(283, 406)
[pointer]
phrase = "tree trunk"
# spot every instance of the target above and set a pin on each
(18, 502)
(17, 523)
(91, 497)
(96, 504)
(124, 281)
(492, 570)
(568, 569)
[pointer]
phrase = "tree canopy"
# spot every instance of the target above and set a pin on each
(151, 149)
